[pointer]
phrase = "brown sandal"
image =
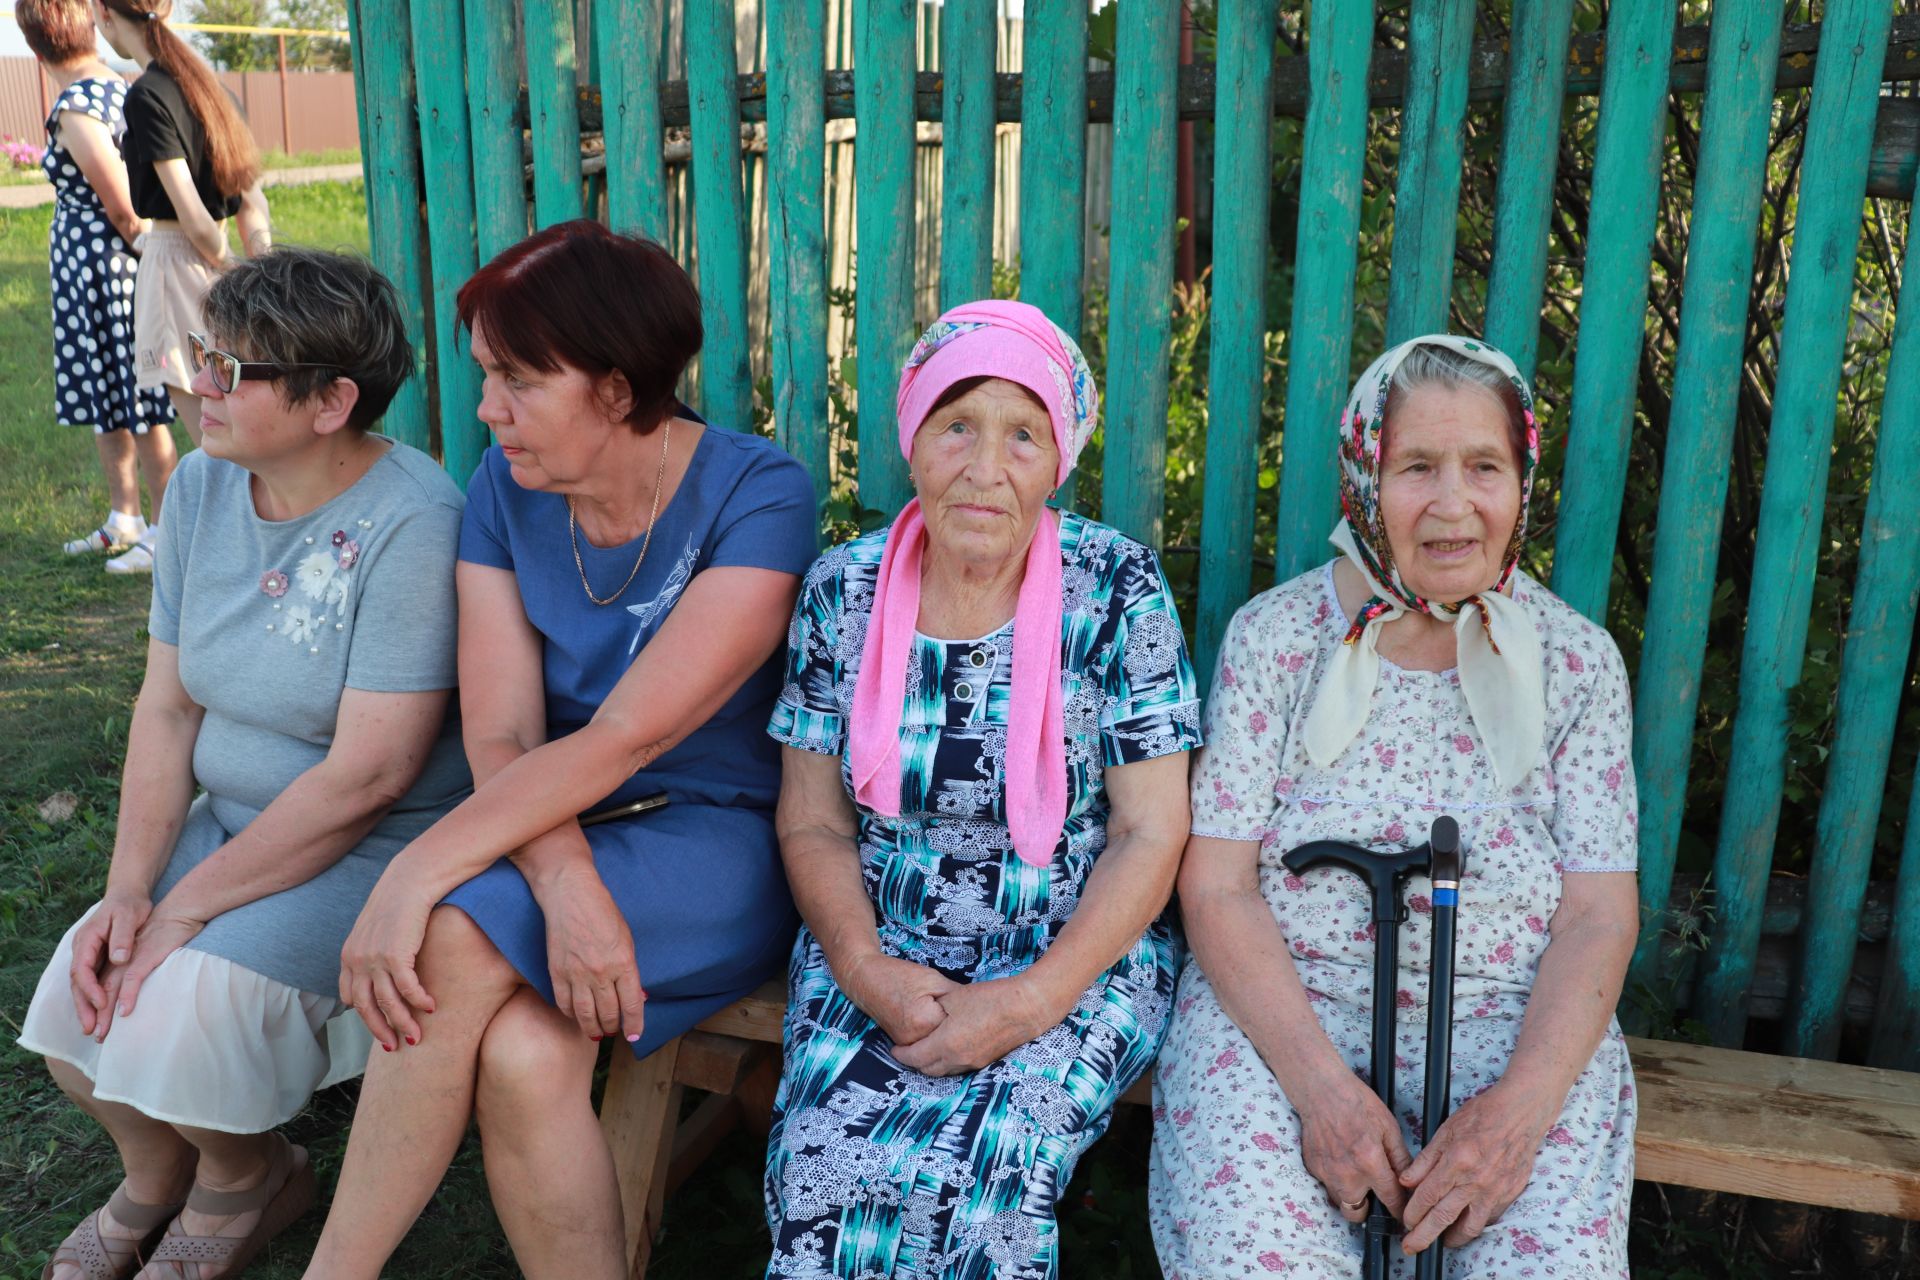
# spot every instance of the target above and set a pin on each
(286, 1193)
(101, 1257)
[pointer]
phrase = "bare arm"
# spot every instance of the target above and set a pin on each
(255, 220)
(1128, 886)
(725, 626)
(381, 743)
(156, 788)
(91, 145)
(1126, 889)
(1482, 1158)
(207, 233)
(817, 828)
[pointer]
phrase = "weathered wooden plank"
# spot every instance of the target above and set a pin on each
(1613, 299)
(447, 164)
(757, 1017)
(1133, 480)
(1873, 669)
(1426, 194)
(1833, 183)
(719, 232)
(1896, 149)
(1779, 1127)
(639, 1111)
(493, 78)
(552, 119)
(391, 148)
(1053, 168)
(883, 213)
(1488, 75)
(796, 240)
(1320, 342)
(360, 95)
(626, 41)
(966, 151)
(1523, 200)
(1727, 191)
(1896, 1023)
(1053, 159)
(1236, 362)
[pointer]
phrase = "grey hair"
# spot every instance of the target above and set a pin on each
(307, 306)
(1427, 366)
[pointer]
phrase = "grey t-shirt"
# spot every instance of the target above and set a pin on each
(274, 620)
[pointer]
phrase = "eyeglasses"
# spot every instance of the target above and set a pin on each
(229, 370)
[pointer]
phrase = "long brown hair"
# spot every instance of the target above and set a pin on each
(236, 161)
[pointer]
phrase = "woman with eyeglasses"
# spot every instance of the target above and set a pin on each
(298, 671)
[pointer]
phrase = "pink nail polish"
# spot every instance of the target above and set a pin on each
(633, 1039)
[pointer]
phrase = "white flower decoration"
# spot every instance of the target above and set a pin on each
(300, 623)
(316, 573)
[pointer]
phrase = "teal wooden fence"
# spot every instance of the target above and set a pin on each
(444, 144)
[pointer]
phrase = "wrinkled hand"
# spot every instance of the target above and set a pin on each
(104, 941)
(1475, 1167)
(164, 933)
(1352, 1144)
(903, 997)
(596, 981)
(985, 1022)
(377, 974)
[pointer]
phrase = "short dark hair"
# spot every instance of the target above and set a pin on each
(579, 295)
(308, 306)
(58, 31)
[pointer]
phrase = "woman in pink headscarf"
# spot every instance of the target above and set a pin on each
(985, 720)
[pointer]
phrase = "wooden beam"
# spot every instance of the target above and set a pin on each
(1487, 76)
(1784, 1128)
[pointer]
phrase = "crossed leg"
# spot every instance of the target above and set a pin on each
(494, 1042)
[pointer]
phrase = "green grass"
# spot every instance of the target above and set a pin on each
(71, 640)
(309, 159)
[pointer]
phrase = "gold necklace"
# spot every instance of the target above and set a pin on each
(659, 483)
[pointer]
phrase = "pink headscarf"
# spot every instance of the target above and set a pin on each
(1017, 342)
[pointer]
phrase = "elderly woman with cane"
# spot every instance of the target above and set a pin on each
(1421, 672)
(985, 720)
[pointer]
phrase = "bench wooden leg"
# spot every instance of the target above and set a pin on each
(638, 1115)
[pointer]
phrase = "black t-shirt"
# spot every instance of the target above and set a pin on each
(161, 127)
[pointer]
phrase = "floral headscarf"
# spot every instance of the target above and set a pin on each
(1499, 658)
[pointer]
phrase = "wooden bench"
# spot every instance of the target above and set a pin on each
(1755, 1124)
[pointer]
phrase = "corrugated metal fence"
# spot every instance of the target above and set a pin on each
(319, 116)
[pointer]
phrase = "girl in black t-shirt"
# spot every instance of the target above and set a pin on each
(191, 165)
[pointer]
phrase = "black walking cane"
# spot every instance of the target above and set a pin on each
(1385, 874)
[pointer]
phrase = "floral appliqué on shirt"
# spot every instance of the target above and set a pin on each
(323, 577)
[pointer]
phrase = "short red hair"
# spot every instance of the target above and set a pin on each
(58, 31)
(578, 295)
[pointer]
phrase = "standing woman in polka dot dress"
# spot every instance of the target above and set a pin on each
(92, 272)
(191, 165)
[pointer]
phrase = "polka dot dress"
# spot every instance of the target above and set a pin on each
(93, 272)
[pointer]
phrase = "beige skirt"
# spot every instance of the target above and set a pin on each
(209, 1043)
(167, 292)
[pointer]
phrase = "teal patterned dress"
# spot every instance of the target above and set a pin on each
(875, 1170)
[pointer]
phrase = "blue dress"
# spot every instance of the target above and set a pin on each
(91, 271)
(874, 1169)
(700, 881)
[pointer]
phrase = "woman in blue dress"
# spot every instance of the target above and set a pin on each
(91, 271)
(625, 573)
(982, 807)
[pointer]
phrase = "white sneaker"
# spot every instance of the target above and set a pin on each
(138, 557)
(118, 530)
